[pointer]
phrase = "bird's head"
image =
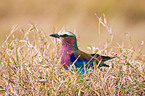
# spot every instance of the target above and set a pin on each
(66, 38)
(63, 34)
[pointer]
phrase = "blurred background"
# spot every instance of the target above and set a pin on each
(124, 16)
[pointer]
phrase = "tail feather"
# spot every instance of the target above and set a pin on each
(103, 65)
(104, 58)
(109, 63)
(106, 64)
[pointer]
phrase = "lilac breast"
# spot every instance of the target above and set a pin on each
(64, 54)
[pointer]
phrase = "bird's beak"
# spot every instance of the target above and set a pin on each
(55, 35)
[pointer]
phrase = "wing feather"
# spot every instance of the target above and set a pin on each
(82, 55)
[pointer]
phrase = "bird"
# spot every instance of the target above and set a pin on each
(70, 54)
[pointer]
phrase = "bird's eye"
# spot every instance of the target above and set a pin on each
(65, 35)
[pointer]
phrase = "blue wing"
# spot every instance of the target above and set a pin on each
(79, 63)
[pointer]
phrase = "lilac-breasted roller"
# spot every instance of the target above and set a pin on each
(70, 54)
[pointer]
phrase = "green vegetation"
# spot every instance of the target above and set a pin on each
(30, 66)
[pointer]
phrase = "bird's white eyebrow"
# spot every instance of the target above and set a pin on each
(62, 33)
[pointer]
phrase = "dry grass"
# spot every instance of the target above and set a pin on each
(30, 66)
